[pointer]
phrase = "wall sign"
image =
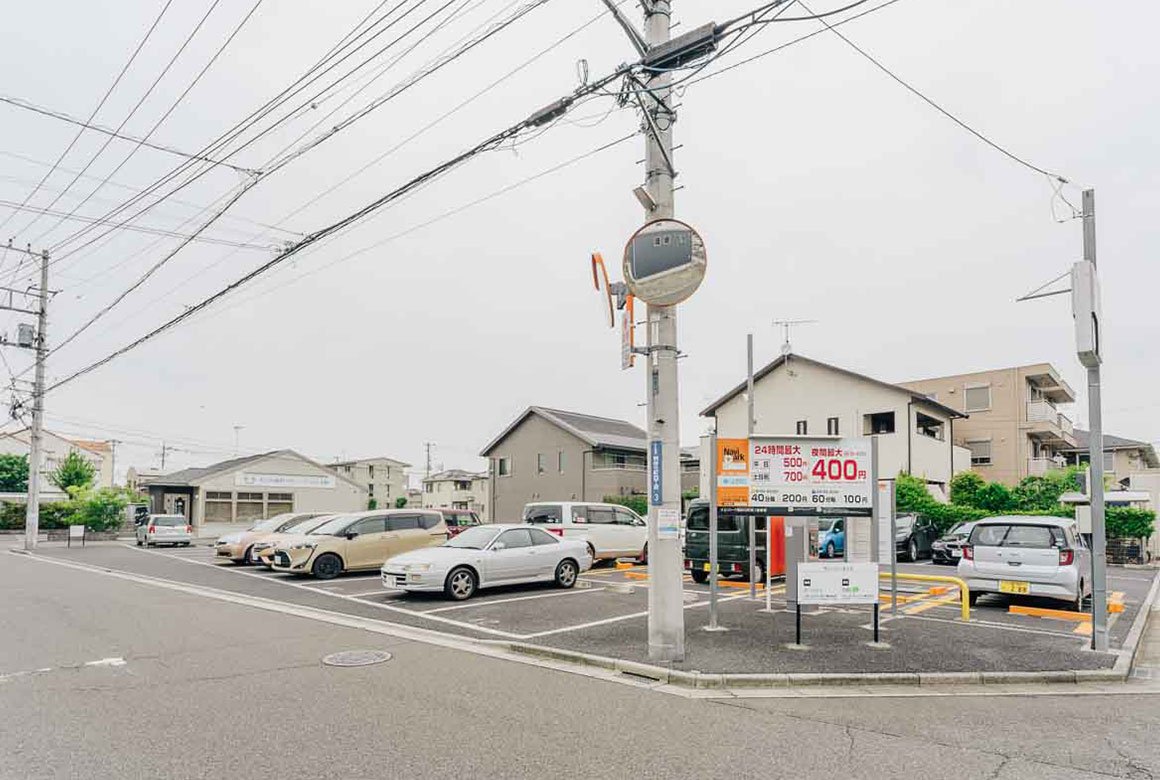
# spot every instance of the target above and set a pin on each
(655, 481)
(246, 479)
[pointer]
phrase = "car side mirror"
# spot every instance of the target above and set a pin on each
(351, 534)
(499, 546)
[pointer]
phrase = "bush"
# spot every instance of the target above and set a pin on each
(13, 473)
(1128, 522)
(1043, 493)
(400, 502)
(98, 510)
(638, 504)
(52, 515)
(373, 504)
(965, 486)
(995, 497)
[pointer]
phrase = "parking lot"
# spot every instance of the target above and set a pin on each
(606, 615)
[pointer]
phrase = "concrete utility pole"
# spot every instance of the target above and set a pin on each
(427, 446)
(666, 614)
(32, 513)
(113, 465)
(163, 450)
(1099, 572)
(751, 422)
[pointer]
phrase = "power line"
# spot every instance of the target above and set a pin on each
(93, 115)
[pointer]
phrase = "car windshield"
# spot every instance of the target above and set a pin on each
(1003, 535)
(334, 526)
(824, 526)
(962, 529)
(475, 538)
(268, 525)
(306, 525)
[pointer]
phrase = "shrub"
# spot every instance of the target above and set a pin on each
(98, 510)
(995, 497)
(638, 504)
(400, 502)
(1128, 522)
(965, 486)
(52, 515)
(13, 473)
(75, 471)
(373, 503)
(1043, 493)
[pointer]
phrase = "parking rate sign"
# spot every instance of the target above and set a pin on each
(799, 475)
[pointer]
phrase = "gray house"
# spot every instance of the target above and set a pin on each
(554, 455)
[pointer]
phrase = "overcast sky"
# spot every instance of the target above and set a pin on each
(824, 191)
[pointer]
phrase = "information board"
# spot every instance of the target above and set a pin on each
(837, 583)
(800, 475)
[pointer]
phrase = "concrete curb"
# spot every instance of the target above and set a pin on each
(1127, 657)
(702, 680)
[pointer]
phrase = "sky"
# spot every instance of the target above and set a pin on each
(824, 191)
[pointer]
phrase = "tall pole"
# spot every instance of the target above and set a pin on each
(713, 533)
(666, 615)
(749, 435)
(1099, 572)
(113, 465)
(32, 510)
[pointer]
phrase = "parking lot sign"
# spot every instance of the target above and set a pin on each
(811, 476)
(838, 583)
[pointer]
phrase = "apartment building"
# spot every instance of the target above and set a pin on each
(1015, 426)
(384, 479)
(458, 489)
(796, 395)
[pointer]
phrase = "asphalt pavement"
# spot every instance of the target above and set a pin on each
(101, 677)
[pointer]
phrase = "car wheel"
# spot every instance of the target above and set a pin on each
(461, 584)
(700, 577)
(327, 567)
(759, 569)
(566, 572)
(139, 542)
(829, 549)
(643, 559)
(972, 597)
(245, 557)
(912, 550)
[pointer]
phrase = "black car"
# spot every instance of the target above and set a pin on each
(915, 537)
(948, 548)
(732, 543)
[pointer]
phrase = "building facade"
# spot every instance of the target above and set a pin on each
(385, 479)
(458, 489)
(1015, 427)
(1122, 457)
(56, 448)
(796, 395)
(244, 490)
(554, 455)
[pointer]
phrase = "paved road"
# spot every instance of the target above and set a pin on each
(213, 689)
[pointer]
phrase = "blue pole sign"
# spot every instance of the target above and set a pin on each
(655, 492)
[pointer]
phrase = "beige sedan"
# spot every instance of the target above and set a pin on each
(238, 547)
(359, 541)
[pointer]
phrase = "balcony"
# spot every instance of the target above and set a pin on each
(1047, 424)
(1037, 467)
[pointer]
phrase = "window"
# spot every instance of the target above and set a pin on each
(541, 537)
(541, 463)
(878, 423)
(625, 517)
(580, 514)
(560, 461)
(802, 428)
(217, 495)
(503, 467)
(1002, 535)
(371, 469)
(699, 520)
(1109, 461)
(280, 496)
(542, 513)
(926, 425)
(601, 515)
(977, 399)
(832, 426)
(371, 488)
(429, 520)
(463, 485)
(980, 451)
(368, 525)
(517, 537)
(402, 522)
(428, 487)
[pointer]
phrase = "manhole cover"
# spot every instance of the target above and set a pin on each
(356, 658)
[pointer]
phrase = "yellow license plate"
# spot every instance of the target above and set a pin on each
(704, 567)
(1014, 586)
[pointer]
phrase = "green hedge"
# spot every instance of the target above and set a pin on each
(56, 514)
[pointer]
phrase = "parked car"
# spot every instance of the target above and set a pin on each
(831, 537)
(915, 536)
(458, 520)
(948, 548)
(239, 546)
(732, 543)
(262, 551)
(610, 530)
(165, 529)
(1027, 556)
(363, 540)
(489, 555)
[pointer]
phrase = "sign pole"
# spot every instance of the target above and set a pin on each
(713, 533)
(749, 434)
(1099, 572)
(893, 553)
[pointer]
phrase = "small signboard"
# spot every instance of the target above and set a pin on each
(732, 472)
(655, 482)
(76, 532)
(668, 523)
(810, 476)
(837, 583)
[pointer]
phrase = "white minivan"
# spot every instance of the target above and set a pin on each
(611, 531)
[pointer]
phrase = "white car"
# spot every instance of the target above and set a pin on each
(487, 555)
(1027, 556)
(165, 529)
(610, 530)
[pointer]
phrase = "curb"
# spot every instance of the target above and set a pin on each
(1127, 659)
(701, 680)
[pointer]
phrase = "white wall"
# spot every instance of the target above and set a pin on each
(343, 497)
(55, 449)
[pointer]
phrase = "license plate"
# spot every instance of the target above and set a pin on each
(704, 567)
(1014, 586)
(956, 553)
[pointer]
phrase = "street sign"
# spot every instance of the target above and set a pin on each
(811, 476)
(664, 262)
(655, 483)
(627, 334)
(668, 523)
(837, 583)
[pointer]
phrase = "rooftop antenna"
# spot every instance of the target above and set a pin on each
(786, 347)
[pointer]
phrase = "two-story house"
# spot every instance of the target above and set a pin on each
(1122, 457)
(796, 395)
(55, 448)
(1015, 428)
(384, 479)
(458, 489)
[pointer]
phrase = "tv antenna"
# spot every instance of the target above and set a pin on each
(786, 347)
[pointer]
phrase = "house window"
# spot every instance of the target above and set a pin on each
(371, 469)
(1109, 462)
(428, 487)
(541, 463)
(977, 399)
(462, 485)
(878, 423)
(832, 426)
(980, 451)
(802, 427)
(503, 467)
(926, 425)
(371, 488)
(560, 461)
(216, 495)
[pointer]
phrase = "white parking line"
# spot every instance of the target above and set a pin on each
(508, 601)
(606, 621)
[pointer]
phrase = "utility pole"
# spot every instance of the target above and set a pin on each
(32, 513)
(427, 445)
(1099, 572)
(163, 449)
(666, 614)
(113, 466)
(237, 431)
(749, 426)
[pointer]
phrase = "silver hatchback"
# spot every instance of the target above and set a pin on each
(1027, 556)
(165, 529)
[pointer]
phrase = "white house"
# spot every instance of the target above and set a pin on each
(795, 395)
(56, 448)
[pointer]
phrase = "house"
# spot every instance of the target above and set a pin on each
(254, 487)
(1015, 428)
(1122, 457)
(555, 455)
(136, 479)
(414, 497)
(385, 479)
(458, 489)
(797, 395)
(56, 448)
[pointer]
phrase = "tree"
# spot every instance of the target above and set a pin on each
(400, 502)
(995, 497)
(1043, 493)
(75, 471)
(98, 510)
(13, 473)
(965, 487)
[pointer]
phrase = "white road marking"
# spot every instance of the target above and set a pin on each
(606, 621)
(508, 601)
(117, 661)
(379, 592)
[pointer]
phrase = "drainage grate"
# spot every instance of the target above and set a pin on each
(356, 658)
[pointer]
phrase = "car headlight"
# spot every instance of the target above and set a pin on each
(304, 546)
(418, 567)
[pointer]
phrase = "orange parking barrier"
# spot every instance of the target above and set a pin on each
(1057, 614)
(622, 565)
(636, 575)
